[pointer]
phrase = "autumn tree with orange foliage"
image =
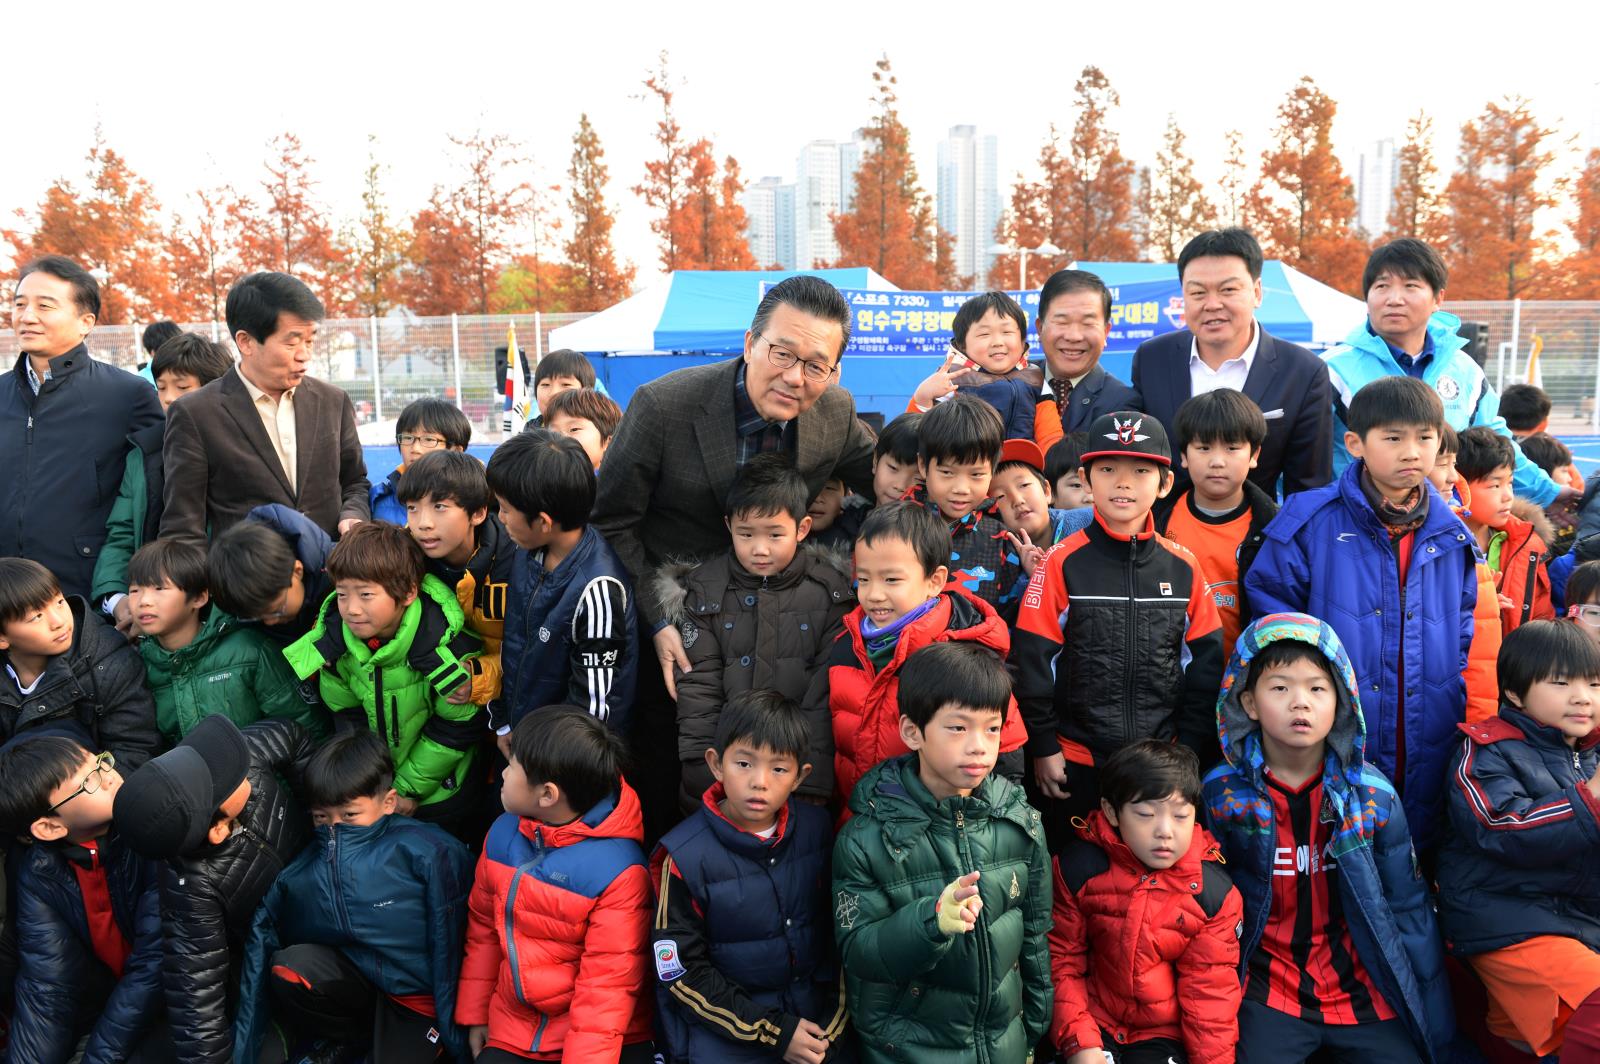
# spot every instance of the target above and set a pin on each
(109, 225)
(1230, 202)
(202, 253)
(1302, 208)
(1582, 268)
(1416, 209)
(597, 280)
(493, 205)
(379, 245)
(288, 231)
(1493, 243)
(438, 278)
(890, 225)
(663, 188)
(1177, 207)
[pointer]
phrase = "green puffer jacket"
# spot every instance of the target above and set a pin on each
(229, 669)
(918, 995)
(403, 686)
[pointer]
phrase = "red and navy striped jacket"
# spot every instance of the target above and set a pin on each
(558, 935)
(1523, 852)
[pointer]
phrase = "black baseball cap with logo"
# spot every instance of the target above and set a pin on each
(1128, 434)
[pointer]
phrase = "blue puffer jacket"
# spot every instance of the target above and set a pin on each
(1328, 554)
(1468, 397)
(1523, 853)
(1385, 898)
(571, 636)
(751, 922)
(391, 897)
(385, 505)
(55, 954)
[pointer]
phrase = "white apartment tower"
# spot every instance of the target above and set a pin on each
(769, 210)
(967, 193)
(1375, 182)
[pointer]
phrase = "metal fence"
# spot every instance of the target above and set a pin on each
(1566, 336)
(384, 363)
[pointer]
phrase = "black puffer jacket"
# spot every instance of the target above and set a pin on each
(55, 953)
(743, 632)
(209, 898)
(98, 686)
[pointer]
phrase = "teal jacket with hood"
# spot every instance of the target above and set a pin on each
(1385, 898)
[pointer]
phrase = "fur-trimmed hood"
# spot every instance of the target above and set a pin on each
(1531, 512)
(680, 588)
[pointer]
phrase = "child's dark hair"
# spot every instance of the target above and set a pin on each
(1544, 650)
(180, 563)
(973, 311)
(353, 764)
(1449, 442)
(435, 415)
(539, 471)
(928, 537)
(953, 673)
(1282, 652)
(767, 486)
(1583, 586)
(379, 553)
(765, 719)
(1481, 450)
(898, 439)
(963, 429)
(30, 769)
(248, 567)
(1409, 259)
(1545, 451)
(1524, 406)
(1222, 416)
(446, 476)
(157, 333)
(565, 746)
(565, 363)
(1148, 771)
(204, 360)
(1065, 456)
(25, 586)
(1394, 402)
(599, 410)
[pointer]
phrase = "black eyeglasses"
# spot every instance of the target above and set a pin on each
(816, 372)
(103, 766)
(427, 443)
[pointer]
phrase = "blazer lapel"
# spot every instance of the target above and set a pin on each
(307, 419)
(1262, 370)
(1178, 378)
(1082, 400)
(810, 441)
(714, 430)
(236, 401)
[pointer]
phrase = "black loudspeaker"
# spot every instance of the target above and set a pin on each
(1476, 334)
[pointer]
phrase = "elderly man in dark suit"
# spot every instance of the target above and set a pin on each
(1225, 347)
(264, 432)
(1074, 312)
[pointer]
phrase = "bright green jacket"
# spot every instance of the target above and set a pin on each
(403, 686)
(229, 669)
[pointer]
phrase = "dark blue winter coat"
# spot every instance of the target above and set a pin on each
(1328, 555)
(1384, 897)
(1522, 857)
(55, 954)
(391, 897)
(750, 925)
(571, 636)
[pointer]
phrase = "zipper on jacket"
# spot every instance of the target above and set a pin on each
(509, 922)
(378, 708)
(1527, 589)
(981, 929)
(538, 1032)
(338, 889)
(1133, 642)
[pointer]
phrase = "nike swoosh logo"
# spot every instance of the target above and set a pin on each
(1342, 536)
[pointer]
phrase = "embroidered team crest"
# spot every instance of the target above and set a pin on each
(1015, 890)
(848, 909)
(1166, 588)
(691, 632)
(668, 966)
(1448, 388)
(1127, 431)
(544, 634)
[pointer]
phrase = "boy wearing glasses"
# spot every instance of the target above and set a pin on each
(90, 960)
(425, 425)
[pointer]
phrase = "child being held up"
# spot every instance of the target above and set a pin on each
(557, 962)
(1144, 946)
(941, 880)
(743, 937)
(989, 362)
(1339, 946)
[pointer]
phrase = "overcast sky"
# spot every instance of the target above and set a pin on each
(190, 93)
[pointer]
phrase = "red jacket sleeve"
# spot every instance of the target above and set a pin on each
(480, 964)
(1209, 987)
(613, 971)
(1035, 647)
(1202, 665)
(1071, 1026)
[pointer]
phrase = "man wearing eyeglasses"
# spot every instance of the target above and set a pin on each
(686, 435)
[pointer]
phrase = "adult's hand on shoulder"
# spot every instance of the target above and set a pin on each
(347, 524)
(670, 653)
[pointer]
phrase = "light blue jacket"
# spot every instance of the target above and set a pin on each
(1469, 399)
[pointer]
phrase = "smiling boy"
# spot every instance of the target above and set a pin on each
(989, 362)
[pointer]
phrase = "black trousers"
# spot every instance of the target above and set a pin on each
(654, 771)
(1267, 1035)
(638, 1053)
(317, 992)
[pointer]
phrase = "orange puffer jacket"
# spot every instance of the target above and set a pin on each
(1483, 686)
(1143, 954)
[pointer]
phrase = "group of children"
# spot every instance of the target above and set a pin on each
(943, 755)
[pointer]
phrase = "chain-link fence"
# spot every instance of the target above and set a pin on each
(384, 363)
(1566, 337)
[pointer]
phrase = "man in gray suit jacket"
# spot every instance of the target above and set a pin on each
(264, 432)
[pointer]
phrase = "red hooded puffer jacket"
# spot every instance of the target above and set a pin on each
(865, 703)
(1145, 954)
(558, 935)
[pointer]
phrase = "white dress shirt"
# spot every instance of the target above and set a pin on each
(1231, 374)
